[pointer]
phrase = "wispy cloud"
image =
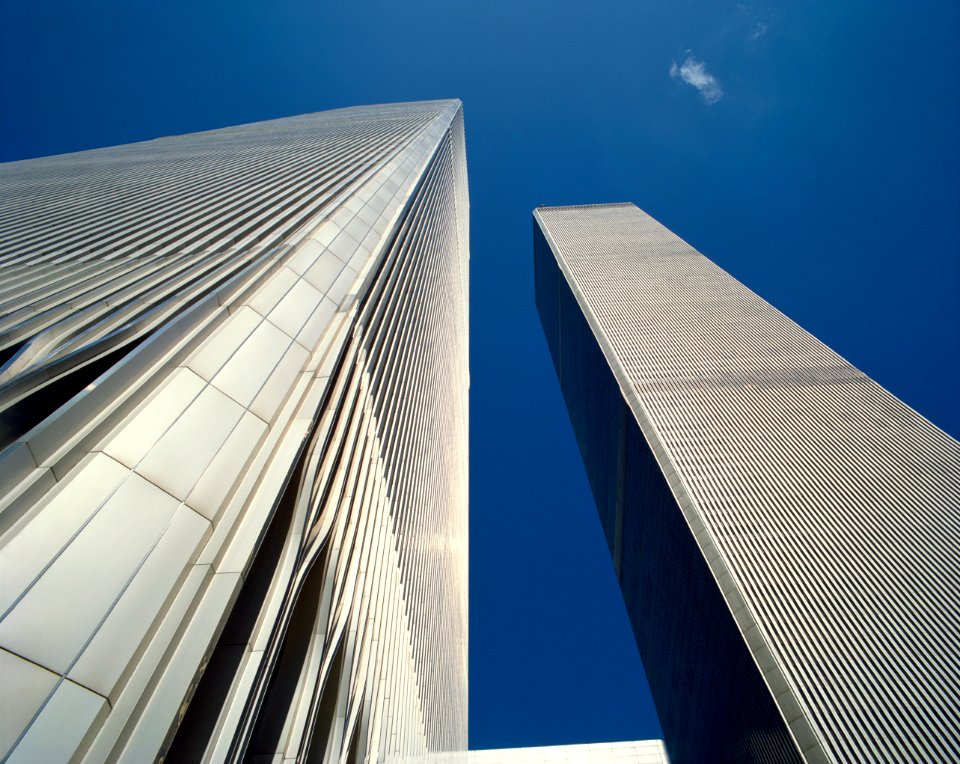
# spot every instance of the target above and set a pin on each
(759, 30)
(695, 73)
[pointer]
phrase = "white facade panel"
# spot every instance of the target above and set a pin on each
(214, 409)
(823, 511)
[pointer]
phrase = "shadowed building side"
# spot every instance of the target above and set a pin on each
(676, 610)
(784, 530)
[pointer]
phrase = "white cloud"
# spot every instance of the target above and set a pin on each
(758, 31)
(695, 73)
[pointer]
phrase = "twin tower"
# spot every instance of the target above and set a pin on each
(233, 477)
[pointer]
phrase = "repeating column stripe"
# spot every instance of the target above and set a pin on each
(827, 510)
(214, 502)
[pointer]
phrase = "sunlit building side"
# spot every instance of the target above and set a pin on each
(786, 533)
(233, 484)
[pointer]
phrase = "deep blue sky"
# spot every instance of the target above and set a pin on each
(826, 177)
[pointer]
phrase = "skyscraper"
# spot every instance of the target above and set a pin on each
(233, 484)
(784, 530)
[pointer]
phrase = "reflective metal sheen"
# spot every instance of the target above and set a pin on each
(786, 532)
(233, 484)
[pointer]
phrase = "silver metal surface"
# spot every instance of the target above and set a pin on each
(827, 510)
(233, 497)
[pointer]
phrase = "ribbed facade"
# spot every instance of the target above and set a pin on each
(233, 485)
(785, 531)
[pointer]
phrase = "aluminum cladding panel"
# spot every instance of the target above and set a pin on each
(233, 443)
(828, 510)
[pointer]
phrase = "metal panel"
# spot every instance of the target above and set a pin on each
(825, 509)
(177, 322)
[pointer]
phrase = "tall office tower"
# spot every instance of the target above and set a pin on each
(234, 476)
(786, 533)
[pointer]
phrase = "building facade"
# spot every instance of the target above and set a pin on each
(786, 533)
(233, 414)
